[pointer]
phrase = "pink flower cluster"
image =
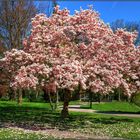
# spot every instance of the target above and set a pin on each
(64, 51)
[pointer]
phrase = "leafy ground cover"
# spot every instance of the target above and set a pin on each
(18, 134)
(32, 119)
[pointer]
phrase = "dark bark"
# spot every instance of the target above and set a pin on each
(45, 95)
(56, 100)
(19, 97)
(119, 95)
(90, 99)
(64, 112)
(50, 101)
(100, 98)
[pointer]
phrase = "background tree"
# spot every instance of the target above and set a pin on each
(129, 26)
(14, 25)
(16, 18)
(14, 21)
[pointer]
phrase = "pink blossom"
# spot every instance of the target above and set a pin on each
(65, 51)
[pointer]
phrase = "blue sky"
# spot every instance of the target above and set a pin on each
(109, 11)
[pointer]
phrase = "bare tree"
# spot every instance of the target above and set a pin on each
(14, 21)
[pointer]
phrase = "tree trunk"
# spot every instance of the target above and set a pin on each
(119, 95)
(90, 99)
(90, 106)
(100, 98)
(19, 97)
(15, 95)
(64, 112)
(50, 101)
(37, 93)
(12, 94)
(128, 99)
(57, 100)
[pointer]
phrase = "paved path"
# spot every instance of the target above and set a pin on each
(76, 108)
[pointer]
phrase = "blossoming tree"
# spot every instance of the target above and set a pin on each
(65, 51)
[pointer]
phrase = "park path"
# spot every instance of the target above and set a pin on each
(76, 108)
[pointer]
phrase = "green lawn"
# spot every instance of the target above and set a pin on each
(38, 116)
(26, 105)
(114, 106)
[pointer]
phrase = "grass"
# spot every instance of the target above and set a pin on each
(103, 125)
(30, 105)
(34, 117)
(115, 106)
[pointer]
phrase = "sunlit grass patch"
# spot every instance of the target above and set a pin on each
(114, 106)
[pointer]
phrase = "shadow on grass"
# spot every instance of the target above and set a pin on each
(85, 107)
(42, 118)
